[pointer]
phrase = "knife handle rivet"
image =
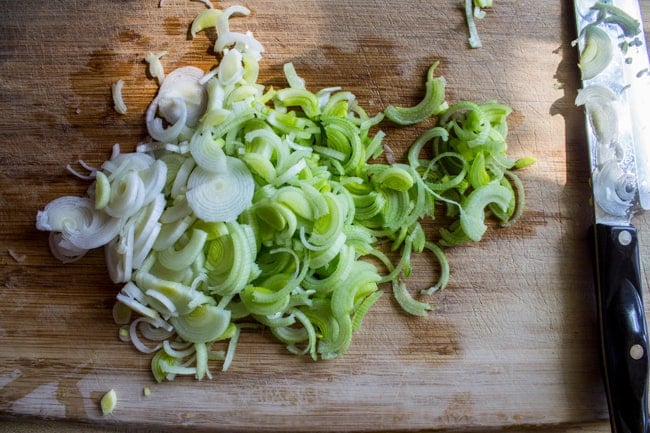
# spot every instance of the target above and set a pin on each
(624, 238)
(636, 352)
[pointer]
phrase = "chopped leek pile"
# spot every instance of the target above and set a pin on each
(259, 207)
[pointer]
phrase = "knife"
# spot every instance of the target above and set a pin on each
(616, 97)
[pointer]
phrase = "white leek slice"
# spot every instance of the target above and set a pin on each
(127, 196)
(153, 179)
(155, 124)
(79, 222)
(231, 68)
(205, 323)
(208, 152)
(222, 23)
(181, 101)
(119, 256)
(244, 42)
(63, 250)
(155, 65)
(118, 100)
(102, 190)
(222, 197)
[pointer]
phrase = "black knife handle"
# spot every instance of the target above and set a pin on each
(623, 328)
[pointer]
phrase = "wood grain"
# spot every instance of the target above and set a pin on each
(513, 340)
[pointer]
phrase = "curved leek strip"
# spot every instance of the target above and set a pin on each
(292, 77)
(430, 105)
(118, 101)
(179, 295)
(153, 178)
(102, 190)
(127, 196)
(248, 298)
(179, 185)
(343, 135)
(363, 308)
(614, 15)
(600, 104)
(318, 259)
(597, 53)
(277, 320)
(232, 345)
(201, 351)
(205, 20)
(478, 176)
(279, 218)
(156, 69)
(369, 206)
(520, 199)
(397, 210)
(407, 302)
(446, 181)
(242, 96)
(158, 363)
(308, 333)
(293, 198)
(244, 42)
(395, 178)
(177, 260)
(231, 67)
(293, 96)
(474, 39)
(443, 280)
(118, 255)
(333, 348)
(208, 152)
(155, 124)
(436, 132)
(241, 260)
(203, 324)
(222, 23)
(344, 265)
(330, 224)
(146, 229)
(473, 215)
(363, 276)
(319, 204)
(251, 67)
(171, 232)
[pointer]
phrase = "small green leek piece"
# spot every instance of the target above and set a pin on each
(431, 104)
(611, 14)
(262, 207)
(108, 402)
(474, 9)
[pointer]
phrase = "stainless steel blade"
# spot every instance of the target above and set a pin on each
(618, 126)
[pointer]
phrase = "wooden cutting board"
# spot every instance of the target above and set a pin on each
(513, 340)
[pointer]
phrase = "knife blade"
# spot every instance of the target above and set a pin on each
(616, 97)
